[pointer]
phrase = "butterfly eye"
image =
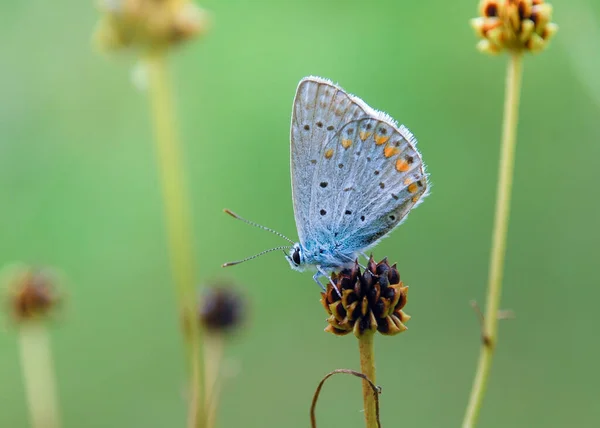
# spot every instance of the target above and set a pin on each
(296, 256)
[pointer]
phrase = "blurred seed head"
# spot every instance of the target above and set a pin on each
(221, 309)
(149, 23)
(371, 300)
(514, 25)
(32, 294)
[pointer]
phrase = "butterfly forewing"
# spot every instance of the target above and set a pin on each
(320, 110)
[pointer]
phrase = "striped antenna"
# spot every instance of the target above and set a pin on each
(251, 223)
(254, 256)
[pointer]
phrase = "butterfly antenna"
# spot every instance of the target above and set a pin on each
(255, 256)
(251, 223)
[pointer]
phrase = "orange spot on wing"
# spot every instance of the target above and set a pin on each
(412, 188)
(346, 143)
(364, 135)
(401, 165)
(381, 139)
(415, 199)
(389, 151)
(328, 153)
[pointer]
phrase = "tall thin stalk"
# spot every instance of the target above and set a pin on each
(367, 367)
(177, 218)
(505, 178)
(38, 375)
(213, 359)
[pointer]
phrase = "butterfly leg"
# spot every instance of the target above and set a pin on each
(321, 272)
(316, 277)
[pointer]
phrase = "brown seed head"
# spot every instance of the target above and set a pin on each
(514, 25)
(371, 300)
(32, 294)
(149, 23)
(221, 309)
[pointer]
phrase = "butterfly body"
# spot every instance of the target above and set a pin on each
(356, 174)
(326, 253)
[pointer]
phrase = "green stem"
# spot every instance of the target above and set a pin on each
(505, 177)
(213, 359)
(38, 374)
(177, 218)
(367, 367)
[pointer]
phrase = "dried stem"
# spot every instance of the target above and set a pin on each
(367, 366)
(38, 374)
(374, 389)
(177, 218)
(505, 176)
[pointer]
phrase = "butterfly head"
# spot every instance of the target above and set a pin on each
(296, 257)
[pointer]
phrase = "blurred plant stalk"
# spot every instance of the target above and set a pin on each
(213, 358)
(516, 27)
(177, 217)
(221, 311)
(33, 296)
(501, 217)
(38, 375)
(155, 27)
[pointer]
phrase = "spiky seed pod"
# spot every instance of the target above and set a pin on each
(514, 25)
(149, 23)
(221, 309)
(32, 294)
(370, 301)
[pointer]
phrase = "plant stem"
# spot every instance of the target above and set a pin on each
(195, 419)
(38, 374)
(505, 177)
(367, 367)
(177, 217)
(213, 358)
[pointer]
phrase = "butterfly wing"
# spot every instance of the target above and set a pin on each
(320, 110)
(374, 176)
(355, 173)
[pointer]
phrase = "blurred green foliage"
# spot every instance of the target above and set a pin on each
(79, 191)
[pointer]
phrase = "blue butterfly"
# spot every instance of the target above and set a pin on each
(356, 175)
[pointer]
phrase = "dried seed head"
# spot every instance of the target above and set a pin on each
(221, 309)
(371, 301)
(514, 25)
(149, 23)
(32, 294)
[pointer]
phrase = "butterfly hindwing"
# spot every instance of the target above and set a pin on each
(374, 176)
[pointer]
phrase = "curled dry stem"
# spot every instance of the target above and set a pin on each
(376, 391)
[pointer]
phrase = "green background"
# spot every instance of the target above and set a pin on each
(79, 192)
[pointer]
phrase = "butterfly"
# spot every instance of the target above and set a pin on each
(355, 173)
